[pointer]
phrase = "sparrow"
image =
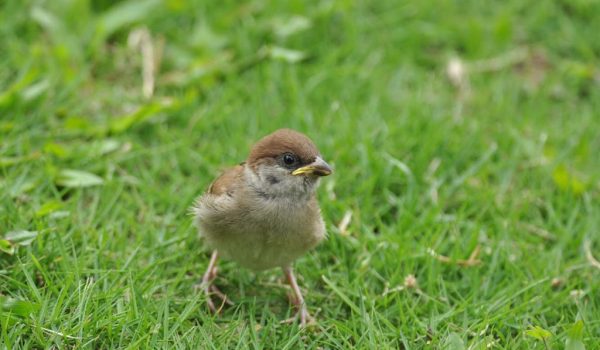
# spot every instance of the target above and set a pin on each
(263, 213)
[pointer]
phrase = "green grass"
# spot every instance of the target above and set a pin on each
(506, 161)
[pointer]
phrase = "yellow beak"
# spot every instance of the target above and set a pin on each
(319, 168)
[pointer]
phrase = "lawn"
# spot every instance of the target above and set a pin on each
(464, 212)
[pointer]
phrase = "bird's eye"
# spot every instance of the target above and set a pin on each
(289, 159)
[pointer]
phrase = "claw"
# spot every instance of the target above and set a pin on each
(298, 301)
(303, 316)
(214, 290)
(210, 289)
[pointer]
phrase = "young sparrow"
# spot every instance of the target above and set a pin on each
(263, 213)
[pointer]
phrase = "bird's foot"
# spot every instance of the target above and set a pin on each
(302, 316)
(298, 301)
(209, 289)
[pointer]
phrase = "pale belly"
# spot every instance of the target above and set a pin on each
(260, 251)
(260, 244)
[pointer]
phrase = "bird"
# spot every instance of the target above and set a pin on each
(264, 214)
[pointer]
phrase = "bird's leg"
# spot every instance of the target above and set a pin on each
(297, 300)
(209, 288)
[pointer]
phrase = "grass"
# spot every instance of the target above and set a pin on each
(97, 249)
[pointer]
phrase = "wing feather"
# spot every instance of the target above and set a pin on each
(226, 182)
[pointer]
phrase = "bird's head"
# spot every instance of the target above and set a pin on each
(286, 163)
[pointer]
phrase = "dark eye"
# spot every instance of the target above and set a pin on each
(289, 159)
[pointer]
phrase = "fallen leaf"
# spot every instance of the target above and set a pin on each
(284, 27)
(21, 237)
(77, 179)
(35, 90)
(105, 146)
(286, 55)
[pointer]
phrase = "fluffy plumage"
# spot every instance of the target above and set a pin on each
(263, 213)
(259, 215)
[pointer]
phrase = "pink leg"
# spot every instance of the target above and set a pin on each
(209, 288)
(297, 300)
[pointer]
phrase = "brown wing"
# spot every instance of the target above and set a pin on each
(225, 184)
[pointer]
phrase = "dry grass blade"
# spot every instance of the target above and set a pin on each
(498, 63)
(343, 225)
(587, 247)
(538, 231)
(471, 261)
(143, 39)
(410, 282)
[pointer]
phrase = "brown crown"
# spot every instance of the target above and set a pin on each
(282, 141)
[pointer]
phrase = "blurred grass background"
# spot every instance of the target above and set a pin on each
(464, 212)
